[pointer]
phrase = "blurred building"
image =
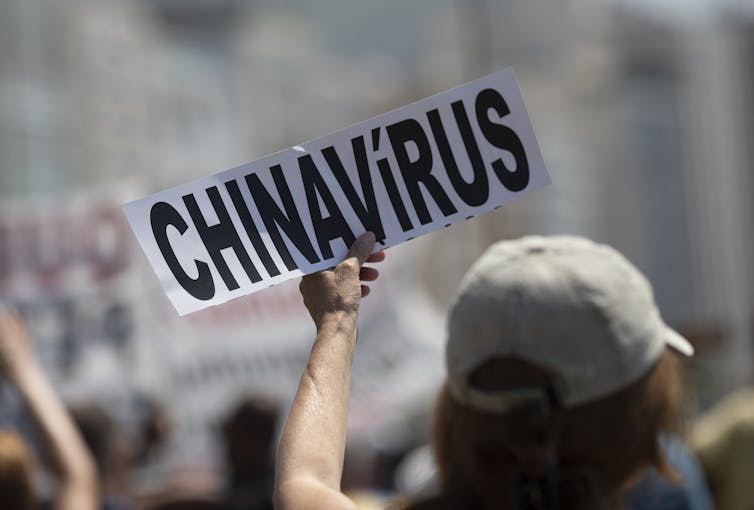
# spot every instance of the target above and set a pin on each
(77, 93)
(32, 114)
(686, 83)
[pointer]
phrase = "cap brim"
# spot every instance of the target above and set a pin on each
(678, 343)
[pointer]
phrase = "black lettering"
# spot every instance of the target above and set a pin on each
(335, 225)
(477, 191)
(390, 186)
(367, 211)
(220, 236)
(395, 196)
(414, 172)
(276, 220)
(163, 215)
(504, 138)
(251, 229)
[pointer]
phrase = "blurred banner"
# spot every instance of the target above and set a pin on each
(67, 264)
(106, 333)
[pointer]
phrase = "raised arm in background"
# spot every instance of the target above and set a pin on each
(69, 459)
(310, 454)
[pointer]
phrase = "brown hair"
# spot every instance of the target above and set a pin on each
(16, 491)
(599, 446)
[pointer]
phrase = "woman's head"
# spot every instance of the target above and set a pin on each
(596, 448)
(559, 379)
(16, 491)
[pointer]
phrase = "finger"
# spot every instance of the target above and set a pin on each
(362, 247)
(377, 256)
(368, 274)
(365, 290)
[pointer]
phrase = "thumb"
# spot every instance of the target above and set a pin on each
(362, 248)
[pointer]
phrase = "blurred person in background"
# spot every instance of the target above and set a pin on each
(68, 459)
(100, 434)
(249, 434)
(16, 487)
(147, 471)
(562, 377)
(154, 433)
(723, 439)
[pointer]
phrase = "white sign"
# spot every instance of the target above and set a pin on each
(402, 174)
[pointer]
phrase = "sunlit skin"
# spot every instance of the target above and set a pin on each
(309, 472)
(69, 459)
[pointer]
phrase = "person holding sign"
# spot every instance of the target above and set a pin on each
(69, 460)
(561, 378)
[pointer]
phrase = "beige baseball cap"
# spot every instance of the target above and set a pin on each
(567, 304)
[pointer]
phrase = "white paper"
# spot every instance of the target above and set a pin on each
(217, 258)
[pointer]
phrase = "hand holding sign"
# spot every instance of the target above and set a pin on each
(417, 169)
(340, 290)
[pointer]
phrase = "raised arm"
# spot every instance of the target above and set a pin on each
(310, 454)
(70, 460)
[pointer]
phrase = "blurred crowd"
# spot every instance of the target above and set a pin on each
(76, 458)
